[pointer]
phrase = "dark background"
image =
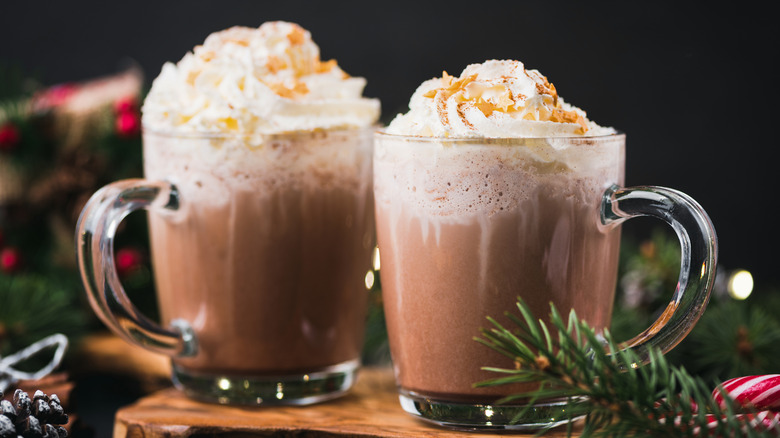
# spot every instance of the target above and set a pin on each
(694, 85)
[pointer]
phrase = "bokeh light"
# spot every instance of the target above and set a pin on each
(375, 259)
(740, 285)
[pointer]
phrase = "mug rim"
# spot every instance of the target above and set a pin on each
(382, 133)
(174, 133)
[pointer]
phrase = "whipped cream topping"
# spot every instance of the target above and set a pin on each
(496, 99)
(264, 81)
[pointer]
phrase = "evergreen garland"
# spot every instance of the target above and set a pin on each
(34, 307)
(734, 338)
(52, 158)
(606, 385)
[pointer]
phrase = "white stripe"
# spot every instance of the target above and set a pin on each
(766, 394)
(736, 392)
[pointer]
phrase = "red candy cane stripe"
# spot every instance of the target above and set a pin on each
(770, 420)
(762, 421)
(757, 392)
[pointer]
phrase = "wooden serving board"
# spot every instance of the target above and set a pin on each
(371, 409)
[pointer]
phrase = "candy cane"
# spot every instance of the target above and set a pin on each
(9, 375)
(756, 392)
(764, 421)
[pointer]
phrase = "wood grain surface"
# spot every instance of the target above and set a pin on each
(371, 409)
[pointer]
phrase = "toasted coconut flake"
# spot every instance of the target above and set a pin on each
(324, 67)
(431, 93)
(282, 90)
(297, 35)
(207, 56)
(238, 41)
(446, 79)
(562, 116)
(486, 107)
(460, 84)
(301, 88)
(230, 123)
(275, 64)
(191, 76)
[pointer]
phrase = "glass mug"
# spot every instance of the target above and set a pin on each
(465, 226)
(260, 245)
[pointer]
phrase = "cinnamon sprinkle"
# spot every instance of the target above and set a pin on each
(462, 115)
(441, 109)
(549, 89)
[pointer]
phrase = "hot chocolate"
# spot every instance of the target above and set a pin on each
(257, 156)
(267, 254)
(492, 188)
(270, 150)
(487, 190)
(465, 228)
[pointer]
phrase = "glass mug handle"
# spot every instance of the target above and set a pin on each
(699, 249)
(95, 233)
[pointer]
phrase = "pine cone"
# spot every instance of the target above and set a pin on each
(39, 417)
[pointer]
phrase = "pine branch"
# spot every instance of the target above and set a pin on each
(33, 307)
(608, 386)
(734, 338)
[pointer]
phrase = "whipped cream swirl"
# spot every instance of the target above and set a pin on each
(262, 81)
(494, 99)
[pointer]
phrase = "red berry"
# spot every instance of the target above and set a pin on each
(9, 136)
(126, 105)
(128, 260)
(128, 124)
(10, 260)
